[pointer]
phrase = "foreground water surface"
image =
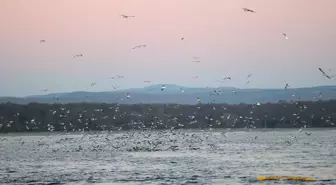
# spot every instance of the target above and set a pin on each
(168, 157)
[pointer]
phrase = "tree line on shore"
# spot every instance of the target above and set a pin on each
(74, 117)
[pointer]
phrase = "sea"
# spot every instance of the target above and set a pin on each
(218, 156)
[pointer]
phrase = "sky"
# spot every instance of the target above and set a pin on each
(227, 40)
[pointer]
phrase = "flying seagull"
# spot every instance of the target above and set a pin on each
(285, 35)
(147, 81)
(195, 77)
(325, 74)
(227, 78)
(45, 90)
(42, 41)
(79, 55)
(182, 38)
(163, 87)
(286, 86)
(92, 84)
(117, 76)
(308, 134)
(197, 61)
(139, 46)
(127, 16)
(248, 10)
(249, 75)
(114, 87)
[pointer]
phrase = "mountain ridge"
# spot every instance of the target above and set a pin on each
(173, 93)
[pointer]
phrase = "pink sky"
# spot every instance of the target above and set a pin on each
(229, 41)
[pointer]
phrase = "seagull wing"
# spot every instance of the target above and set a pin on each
(324, 74)
(322, 71)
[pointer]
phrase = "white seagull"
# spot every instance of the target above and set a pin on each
(139, 46)
(248, 10)
(127, 16)
(79, 55)
(163, 87)
(325, 74)
(285, 35)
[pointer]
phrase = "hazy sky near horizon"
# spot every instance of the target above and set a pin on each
(229, 42)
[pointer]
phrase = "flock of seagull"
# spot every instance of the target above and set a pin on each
(196, 59)
(166, 140)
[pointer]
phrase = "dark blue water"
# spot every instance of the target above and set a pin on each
(168, 157)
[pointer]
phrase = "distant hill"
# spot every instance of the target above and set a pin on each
(184, 95)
